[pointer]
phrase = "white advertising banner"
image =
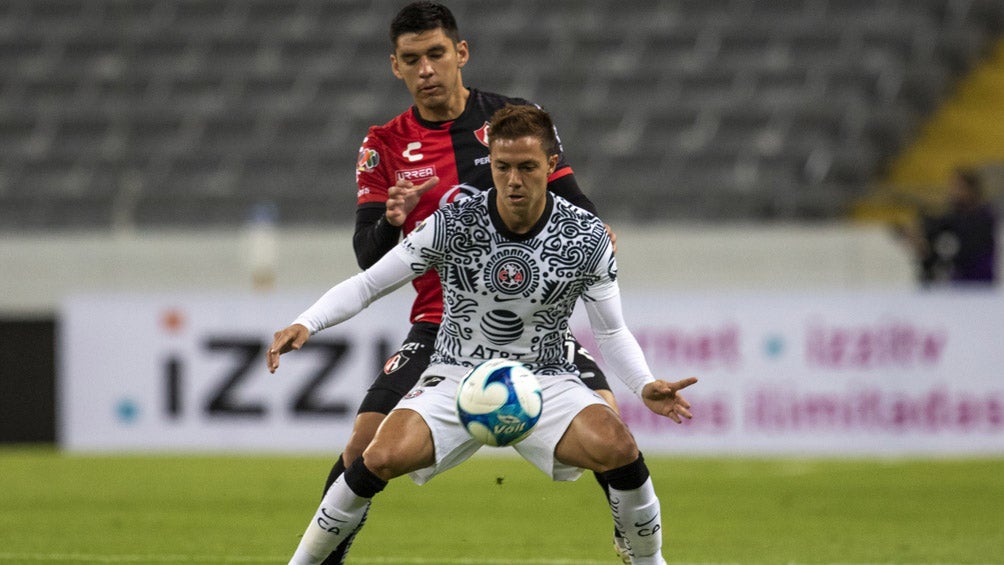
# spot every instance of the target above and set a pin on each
(806, 374)
(187, 373)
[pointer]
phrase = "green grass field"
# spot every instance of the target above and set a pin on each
(496, 510)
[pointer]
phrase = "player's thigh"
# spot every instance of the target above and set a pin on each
(402, 444)
(363, 430)
(596, 440)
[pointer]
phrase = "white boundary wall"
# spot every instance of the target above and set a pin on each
(36, 273)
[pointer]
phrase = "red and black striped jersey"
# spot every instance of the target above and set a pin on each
(456, 151)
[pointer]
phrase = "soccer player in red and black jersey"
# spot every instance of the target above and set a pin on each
(430, 155)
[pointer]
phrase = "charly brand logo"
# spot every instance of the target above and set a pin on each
(410, 152)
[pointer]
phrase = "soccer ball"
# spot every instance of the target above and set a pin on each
(499, 402)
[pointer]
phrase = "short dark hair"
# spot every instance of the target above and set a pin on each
(514, 121)
(423, 16)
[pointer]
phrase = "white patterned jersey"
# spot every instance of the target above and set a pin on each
(509, 295)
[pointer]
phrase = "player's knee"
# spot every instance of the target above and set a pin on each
(621, 451)
(381, 462)
(619, 447)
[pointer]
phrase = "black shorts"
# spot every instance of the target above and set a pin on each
(402, 370)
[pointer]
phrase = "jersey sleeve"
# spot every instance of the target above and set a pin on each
(619, 347)
(373, 236)
(418, 248)
(602, 301)
(348, 298)
(373, 171)
(604, 283)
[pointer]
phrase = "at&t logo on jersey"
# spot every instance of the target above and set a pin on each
(368, 159)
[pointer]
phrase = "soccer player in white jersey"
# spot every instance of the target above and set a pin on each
(561, 253)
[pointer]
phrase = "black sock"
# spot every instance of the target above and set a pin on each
(362, 481)
(336, 471)
(628, 477)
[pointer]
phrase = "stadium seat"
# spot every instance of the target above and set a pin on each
(717, 109)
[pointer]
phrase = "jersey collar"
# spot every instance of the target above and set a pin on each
(504, 231)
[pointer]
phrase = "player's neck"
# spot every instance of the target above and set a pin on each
(451, 109)
(521, 221)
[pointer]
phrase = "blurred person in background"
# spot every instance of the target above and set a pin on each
(433, 153)
(959, 246)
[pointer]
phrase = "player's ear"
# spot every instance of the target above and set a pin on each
(552, 163)
(394, 68)
(463, 53)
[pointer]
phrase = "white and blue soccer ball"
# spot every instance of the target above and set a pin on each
(499, 402)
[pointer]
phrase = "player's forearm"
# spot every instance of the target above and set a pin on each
(373, 236)
(618, 345)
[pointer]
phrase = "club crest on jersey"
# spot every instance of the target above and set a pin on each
(457, 192)
(511, 273)
(368, 159)
(396, 361)
(482, 134)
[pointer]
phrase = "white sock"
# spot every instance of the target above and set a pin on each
(340, 512)
(637, 516)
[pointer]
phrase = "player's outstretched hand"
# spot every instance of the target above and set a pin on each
(285, 341)
(663, 398)
(403, 197)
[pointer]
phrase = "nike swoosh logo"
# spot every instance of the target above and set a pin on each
(650, 520)
(510, 299)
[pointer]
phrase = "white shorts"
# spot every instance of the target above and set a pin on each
(564, 397)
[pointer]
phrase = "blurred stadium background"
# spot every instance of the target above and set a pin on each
(735, 144)
(174, 170)
(179, 114)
